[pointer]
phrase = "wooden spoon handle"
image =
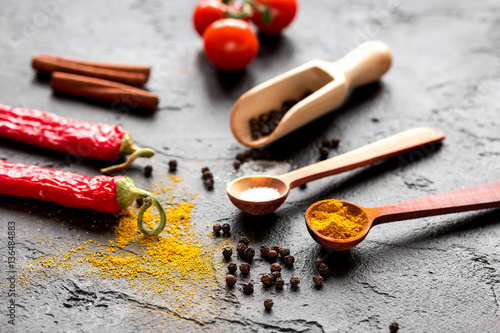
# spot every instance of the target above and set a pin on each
(471, 198)
(374, 152)
(366, 63)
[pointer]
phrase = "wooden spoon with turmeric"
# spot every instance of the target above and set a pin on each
(341, 225)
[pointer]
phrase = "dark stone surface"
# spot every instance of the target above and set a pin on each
(437, 274)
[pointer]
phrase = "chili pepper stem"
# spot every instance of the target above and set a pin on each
(127, 193)
(128, 147)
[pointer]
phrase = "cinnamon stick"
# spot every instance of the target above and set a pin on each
(136, 75)
(103, 90)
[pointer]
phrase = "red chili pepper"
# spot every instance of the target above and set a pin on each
(101, 193)
(77, 137)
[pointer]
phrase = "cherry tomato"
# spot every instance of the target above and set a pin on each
(282, 14)
(230, 44)
(208, 11)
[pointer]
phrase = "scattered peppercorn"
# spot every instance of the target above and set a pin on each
(148, 170)
(284, 251)
(268, 303)
(289, 260)
(209, 183)
(318, 280)
(272, 254)
(244, 240)
(227, 252)
(264, 250)
(226, 229)
(394, 327)
(139, 202)
(240, 157)
(204, 169)
(236, 164)
(303, 186)
(275, 248)
(247, 153)
(232, 267)
(275, 267)
(248, 288)
(335, 142)
(323, 152)
(172, 164)
(267, 279)
(279, 282)
(207, 175)
(216, 228)
(294, 282)
(230, 280)
(323, 270)
(318, 262)
(245, 268)
(275, 275)
(241, 249)
(249, 253)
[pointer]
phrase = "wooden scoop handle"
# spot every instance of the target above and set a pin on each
(471, 198)
(377, 151)
(366, 63)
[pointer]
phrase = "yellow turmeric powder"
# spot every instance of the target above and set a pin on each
(333, 219)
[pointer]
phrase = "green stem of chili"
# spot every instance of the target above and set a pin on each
(128, 147)
(127, 193)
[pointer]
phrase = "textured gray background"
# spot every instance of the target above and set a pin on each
(437, 274)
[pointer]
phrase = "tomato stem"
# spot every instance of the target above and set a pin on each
(264, 10)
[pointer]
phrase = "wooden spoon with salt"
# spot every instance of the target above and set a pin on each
(374, 152)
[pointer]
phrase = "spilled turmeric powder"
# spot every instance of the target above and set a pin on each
(333, 219)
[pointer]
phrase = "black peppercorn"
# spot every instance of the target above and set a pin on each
(248, 288)
(226, 229)
(232, 267)
(207, 175)
(248, 153)
(275, 275)
(172, 164)
(244, 240)
(279, 282)
(249, 253)
(394, 327)
(148, 170)
(268, 303)
(267, 279)
(303, 186)
(209, 183)
(245, 268)
(272, 254)
(275, 267)
(335, 142)
(318, 280)
(275, 248)
(323, 270)
(241, 249)
(289, 260)
(227, 252)
(284, 251)
(230, 280)
(216, 228)
(204, 169)
(236, 164)
(294, 282)
(139, 202)
(264, 250)
(323, 152)
(240, 157)
(318, 262)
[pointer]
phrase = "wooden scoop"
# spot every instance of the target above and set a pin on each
(329, 82)
(471, 198)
